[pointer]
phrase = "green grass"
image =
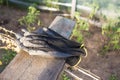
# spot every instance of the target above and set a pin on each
(7, 56)
(65, 77)
(1, 2)
(80, 26)
(113, 77)
(112, 32)
(4, 2)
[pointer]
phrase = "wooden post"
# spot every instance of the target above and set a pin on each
(29, 67)
(73, 8)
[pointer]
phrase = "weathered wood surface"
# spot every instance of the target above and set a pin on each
(27, 67)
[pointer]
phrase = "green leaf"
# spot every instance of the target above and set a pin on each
(118, 30)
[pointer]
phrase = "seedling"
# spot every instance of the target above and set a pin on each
(30, 19)
(112, 31)
(81, 25)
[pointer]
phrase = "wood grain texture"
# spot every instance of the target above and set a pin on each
(27, 67)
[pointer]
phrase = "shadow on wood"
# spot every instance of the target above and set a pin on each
(28, 67)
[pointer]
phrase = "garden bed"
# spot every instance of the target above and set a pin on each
(104, 65)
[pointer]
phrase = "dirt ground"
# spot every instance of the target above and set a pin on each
(102, 65)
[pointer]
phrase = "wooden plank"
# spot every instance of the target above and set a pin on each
(28, 67)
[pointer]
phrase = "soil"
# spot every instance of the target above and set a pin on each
(102, 65)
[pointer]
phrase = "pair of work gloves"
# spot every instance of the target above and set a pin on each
(49, 44)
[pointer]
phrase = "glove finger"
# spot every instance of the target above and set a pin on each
(25, 41)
